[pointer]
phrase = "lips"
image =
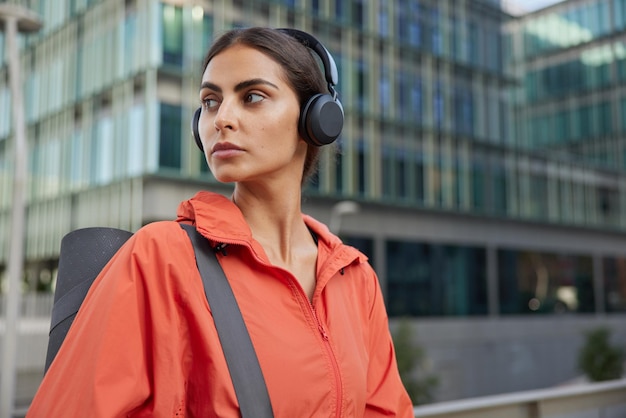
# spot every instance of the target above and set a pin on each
(224, 146)
(224, 150)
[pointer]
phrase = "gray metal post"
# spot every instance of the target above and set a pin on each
(14, 19)
(339, 209)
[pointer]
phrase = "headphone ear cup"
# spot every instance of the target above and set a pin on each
(321, 120)
(194, 128)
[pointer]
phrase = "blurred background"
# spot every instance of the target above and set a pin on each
(481, 167)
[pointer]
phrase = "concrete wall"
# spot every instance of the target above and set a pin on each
(482, 356)
(31, 356)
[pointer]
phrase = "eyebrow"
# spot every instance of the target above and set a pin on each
(239, 86)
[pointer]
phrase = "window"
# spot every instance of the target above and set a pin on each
(77, 173)
(605, 119)
(315, 7)
(607, 200)
(384, 91)
(402, 21)
(102, 151)
(562, 127)
(400, 175)
(417, 176)
(586, 121)
(357, 13)
(172, 35)
(435, 280)
(395, 183)
(135, 141)
(361, 87)
(339, 10)
(478, 182)
(203, 28)
(436, 34)
(417, 99)
(439, 105)
(541, 283)
(530, 86)
(499, 185)
(415, 24)
(362, 167)
(614, 273)
(388, 165)
(619, 15)
(130, 41)
(623, 114)
(383, 24)
(474, 43)
(401, 94)
(537, 200)
(463, 111)
(169, 137)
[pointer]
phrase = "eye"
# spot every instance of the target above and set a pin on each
(210, 103)
(253, 98)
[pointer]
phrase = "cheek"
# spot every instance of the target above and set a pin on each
(280, 129)
(289, 125)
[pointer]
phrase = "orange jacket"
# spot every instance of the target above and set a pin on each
(144, 344)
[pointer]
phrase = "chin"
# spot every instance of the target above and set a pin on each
(226, 179)
(224, 175)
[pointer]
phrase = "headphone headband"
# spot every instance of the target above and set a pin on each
(330, 68)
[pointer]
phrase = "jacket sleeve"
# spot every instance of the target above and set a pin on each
(111, 364)
(386, 395)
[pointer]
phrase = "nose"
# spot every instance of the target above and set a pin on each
(226, 116)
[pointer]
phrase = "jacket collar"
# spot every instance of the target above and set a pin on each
(217, 218)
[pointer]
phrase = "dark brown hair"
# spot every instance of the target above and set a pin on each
(301, 70)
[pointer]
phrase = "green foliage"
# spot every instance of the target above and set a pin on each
(598, 359)
(411, 358)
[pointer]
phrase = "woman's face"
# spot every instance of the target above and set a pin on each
(249, 120)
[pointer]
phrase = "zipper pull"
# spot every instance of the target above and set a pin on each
(323, 332)
(320, 326)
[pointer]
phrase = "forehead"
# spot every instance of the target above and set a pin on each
(241, 62)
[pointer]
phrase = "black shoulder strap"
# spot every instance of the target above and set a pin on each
(240, 356)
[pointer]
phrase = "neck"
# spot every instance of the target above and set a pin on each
(275, 219)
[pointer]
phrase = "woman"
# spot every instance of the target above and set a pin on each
(144, 343)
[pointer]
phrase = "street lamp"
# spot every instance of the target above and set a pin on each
(345, 207)
(15, 19)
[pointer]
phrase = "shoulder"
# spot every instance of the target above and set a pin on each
(159, 239)
(159, 256)
(162, 233)
(158, 228)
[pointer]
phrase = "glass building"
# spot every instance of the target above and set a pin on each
(485, 151)
(570, 103)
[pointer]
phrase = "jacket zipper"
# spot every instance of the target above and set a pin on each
(333, 359)
(320, 327)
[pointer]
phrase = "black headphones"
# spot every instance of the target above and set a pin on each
(321, 117)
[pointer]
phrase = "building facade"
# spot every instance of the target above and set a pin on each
(485, 153)
(570, 103)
